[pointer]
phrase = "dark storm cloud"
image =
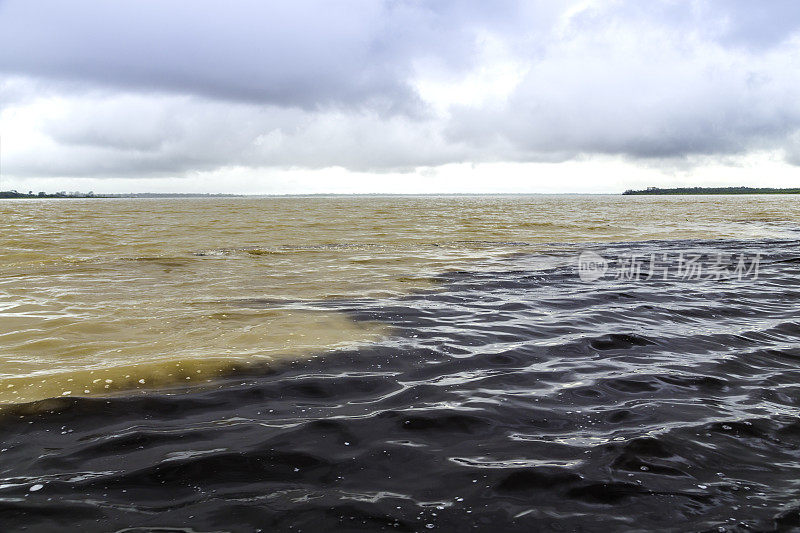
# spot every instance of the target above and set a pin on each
(169, 87)
(305, 53)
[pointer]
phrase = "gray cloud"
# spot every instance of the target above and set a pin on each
(743, 23)
(169, 87)
(167, 135)
(302, 53)
(757, 24)
(652, 81)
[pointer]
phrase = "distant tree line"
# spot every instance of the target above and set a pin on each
(91, 194)
(713, 190)
(41, 194)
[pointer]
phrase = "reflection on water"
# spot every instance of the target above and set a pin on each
(319, 364)
(514, 398)
(105, 295)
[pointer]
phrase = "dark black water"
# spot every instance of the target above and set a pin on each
(517, 399)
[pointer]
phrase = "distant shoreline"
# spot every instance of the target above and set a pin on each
(651, 191)
(15, 194)
(711, 190)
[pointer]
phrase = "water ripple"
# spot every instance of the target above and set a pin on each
(510, 399)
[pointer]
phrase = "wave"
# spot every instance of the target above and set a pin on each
(510, 398)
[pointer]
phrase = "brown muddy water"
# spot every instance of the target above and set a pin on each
(403, 363)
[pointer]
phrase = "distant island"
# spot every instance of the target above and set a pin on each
(714, 190)
(90, 194)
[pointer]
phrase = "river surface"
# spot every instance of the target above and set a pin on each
(400, 363)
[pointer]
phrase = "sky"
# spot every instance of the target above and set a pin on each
(398, 96)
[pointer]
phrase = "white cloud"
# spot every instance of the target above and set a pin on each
(398, 95)
(643, 92)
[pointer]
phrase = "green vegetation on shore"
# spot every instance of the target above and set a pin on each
(90, 194)
(31, 194)
(714, 190)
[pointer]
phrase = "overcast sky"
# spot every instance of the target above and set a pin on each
(398, 96)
